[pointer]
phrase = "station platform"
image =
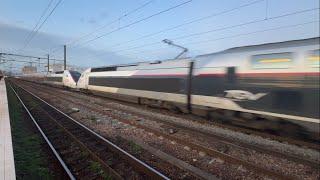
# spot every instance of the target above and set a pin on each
(7, 169)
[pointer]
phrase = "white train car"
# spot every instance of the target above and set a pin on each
(276, 81)
(148, 81)
(66, 78)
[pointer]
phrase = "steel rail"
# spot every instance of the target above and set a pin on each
(224, 140)
(133, 160)
(63, 164)
(291, 140)
(199, 147)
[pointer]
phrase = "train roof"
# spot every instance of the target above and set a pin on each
(274, 45)
(137, 64)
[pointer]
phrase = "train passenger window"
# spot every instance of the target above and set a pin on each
(102, 69)
(59, 72)
(272, 61)
(314, 58)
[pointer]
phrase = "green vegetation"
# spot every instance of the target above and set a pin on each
(92, 118)
(135, 148)
(96, 167)
(30, 161)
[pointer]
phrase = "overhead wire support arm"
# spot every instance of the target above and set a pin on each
(184, 50)
(14, 60)
(27, 56)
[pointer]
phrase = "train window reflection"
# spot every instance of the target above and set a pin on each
(272, 61)
(314, 58)
(75, 75)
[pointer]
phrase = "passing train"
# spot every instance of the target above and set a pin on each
(274, 87)
(66, 78)
(1, 75)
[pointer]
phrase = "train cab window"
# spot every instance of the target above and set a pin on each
(75, 75)
(231, 74)
(272, 61)
(314, 58)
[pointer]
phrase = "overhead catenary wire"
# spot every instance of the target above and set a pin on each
(187, 23)
(16, 66)
(190, 22)
(106, 25)
(133, 23)
(23, 61)
(215, 30)
(248, 33)
(29, 56)
(222, 28)
(40, 26)
(38, 22)
(184, 24)
(254, 32)
(247, 23)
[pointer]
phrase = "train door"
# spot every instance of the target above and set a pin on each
(231, 76)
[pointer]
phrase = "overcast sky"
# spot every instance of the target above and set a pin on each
(75, 18)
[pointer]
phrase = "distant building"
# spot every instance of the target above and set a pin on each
(29, 70)
(60, 67)
(55, 67)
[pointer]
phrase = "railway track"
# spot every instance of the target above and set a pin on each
(83, 153)
(180, 127)
(54, 151)
(294, 141)
(202, 148)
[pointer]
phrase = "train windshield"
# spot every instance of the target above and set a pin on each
(75, 75)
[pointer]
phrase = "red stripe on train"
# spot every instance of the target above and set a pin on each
(241, 74)
(159, 75)
(265, 74)
(211, 75)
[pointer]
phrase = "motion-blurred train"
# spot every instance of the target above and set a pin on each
(66, 78)
(274, 87)
(1, 75)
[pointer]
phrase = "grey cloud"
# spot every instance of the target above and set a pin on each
(13, 37)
